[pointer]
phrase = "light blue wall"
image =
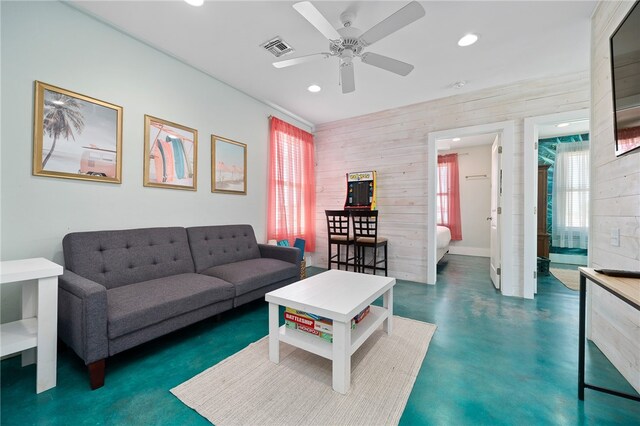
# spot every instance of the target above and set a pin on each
(58, 45)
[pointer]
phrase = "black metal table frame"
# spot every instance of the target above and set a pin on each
(582, 341)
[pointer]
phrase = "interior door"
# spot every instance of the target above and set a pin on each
(496, 194)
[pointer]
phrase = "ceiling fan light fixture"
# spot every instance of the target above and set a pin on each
(194, 2)
(467, 40)
(314, 88)
(348, 42)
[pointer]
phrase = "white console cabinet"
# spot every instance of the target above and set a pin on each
(35, 335)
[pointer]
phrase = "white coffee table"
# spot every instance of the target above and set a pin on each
(339, 296)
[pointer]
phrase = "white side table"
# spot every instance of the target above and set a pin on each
(38, 328)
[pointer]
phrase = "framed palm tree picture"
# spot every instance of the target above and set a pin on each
(170, 154)
(75, 136)
(228, 166)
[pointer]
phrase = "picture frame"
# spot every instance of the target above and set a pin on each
(228, 166)
(76, 136)
(170, 155)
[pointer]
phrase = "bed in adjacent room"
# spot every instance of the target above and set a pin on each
(443, 238)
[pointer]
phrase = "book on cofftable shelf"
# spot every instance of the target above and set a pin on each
(295, 326)
(362, 314)
(313, 321)
(316, 324)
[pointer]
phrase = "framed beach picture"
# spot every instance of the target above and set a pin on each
(228, 166)
(75, 136)
(170, 154)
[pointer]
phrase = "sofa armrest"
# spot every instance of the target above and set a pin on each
(286, 254)
(82, 316)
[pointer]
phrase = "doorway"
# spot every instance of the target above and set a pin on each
(539, 128)
(470, 210)
(508, 284)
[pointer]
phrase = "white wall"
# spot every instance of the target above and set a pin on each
(615, 194)
(393, 142)
(56, 44)
(475, 200)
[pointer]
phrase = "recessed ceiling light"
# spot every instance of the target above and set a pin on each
(195, 2)
(459, 84)
(562, 124)
(467, 40)
(314, 88)
(455, 139)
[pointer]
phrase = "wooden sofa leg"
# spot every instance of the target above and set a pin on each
(96, 374)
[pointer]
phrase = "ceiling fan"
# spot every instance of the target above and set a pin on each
(349, 42)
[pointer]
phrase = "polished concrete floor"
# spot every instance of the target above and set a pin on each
(493, 360)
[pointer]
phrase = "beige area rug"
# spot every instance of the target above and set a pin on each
(569, 277)
(248, 389)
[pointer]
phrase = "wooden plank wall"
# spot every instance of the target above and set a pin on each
(393, 142)
(615, 327)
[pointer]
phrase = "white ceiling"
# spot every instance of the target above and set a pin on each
(551, 130)
(545, 130)
(519, 40)
(466, 142)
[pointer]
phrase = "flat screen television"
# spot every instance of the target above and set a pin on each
(625, 77)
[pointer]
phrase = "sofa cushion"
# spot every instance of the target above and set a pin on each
(219, 245)
(249, 275)
(140, 305)
(117, 258)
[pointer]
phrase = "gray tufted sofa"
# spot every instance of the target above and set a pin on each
(123, 288)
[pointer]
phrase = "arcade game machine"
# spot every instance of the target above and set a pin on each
(361, 191)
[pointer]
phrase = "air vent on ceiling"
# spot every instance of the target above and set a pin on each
(277, 46)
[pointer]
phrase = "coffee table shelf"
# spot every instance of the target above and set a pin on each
(338, 296)
(324, 348)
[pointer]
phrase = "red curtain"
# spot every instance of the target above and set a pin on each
(448, 195)
(628, 139)
(292, 188)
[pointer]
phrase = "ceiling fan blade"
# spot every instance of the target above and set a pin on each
(300, 60)
(315, 18)
(403, 17)
(347, 77)
(386, 63)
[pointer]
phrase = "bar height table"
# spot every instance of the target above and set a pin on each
(625, 289)
(35, 335)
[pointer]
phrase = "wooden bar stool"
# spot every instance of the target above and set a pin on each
(338, 235)
(365, 233)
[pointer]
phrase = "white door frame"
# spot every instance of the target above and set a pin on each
(509, 283)
(531, 130)
(495, 253)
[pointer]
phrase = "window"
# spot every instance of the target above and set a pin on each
(570, 198)
(448, 195)
(291, 209)
(442, 195)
